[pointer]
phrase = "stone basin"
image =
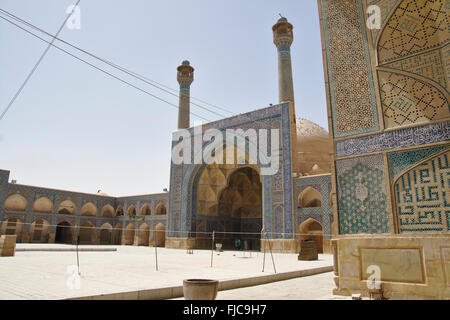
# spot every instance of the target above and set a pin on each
(200, 289)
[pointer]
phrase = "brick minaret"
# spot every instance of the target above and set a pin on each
(283, 38)
(185, 77)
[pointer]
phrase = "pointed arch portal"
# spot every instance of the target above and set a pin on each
(229, 202)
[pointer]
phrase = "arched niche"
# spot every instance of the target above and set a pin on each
(16, 202)
(161, 209)
(89, 209)
(43, 204)
(67, 207)
(105, 233)
(312, 228)
(131, 211)
(39, 231)
(143, 235)
(107, 211)
(309, 198)
(145, 210)
(160, 235)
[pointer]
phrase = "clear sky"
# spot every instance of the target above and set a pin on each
(74, 128)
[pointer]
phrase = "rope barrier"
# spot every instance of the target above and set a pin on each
(190, 233)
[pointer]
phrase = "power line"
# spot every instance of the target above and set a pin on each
(106, 72)
(100, 69)
(125, 70)
(37, 64)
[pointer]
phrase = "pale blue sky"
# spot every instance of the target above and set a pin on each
(74, 128)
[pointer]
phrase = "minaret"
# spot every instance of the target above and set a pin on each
(185, 77)
(282, 38)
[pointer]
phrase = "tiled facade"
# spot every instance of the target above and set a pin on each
(352, 98)
(391, 176)
(195, 188)
(277, 211)
(281, 214)
(31, 194)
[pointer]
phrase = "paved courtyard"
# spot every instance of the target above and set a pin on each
(315, 287)
(47, 275)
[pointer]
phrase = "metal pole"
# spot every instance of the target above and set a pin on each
(78, 259)
(270, 248)
(265, 243)
(212, 248)
(156, 256)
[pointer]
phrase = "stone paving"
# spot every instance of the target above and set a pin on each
(45, 275)
(315, 287)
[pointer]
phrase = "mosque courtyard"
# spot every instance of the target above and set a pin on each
(121, 274)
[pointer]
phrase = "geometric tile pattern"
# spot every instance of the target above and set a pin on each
(423, 196)
(362, 200)
(408, 101)
(351, 87)
(415, 26)
(431, 64)
(446, 59)
(400, 161)
(285, 74)
(414, 40)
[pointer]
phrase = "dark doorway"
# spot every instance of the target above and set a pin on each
(63, 233)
